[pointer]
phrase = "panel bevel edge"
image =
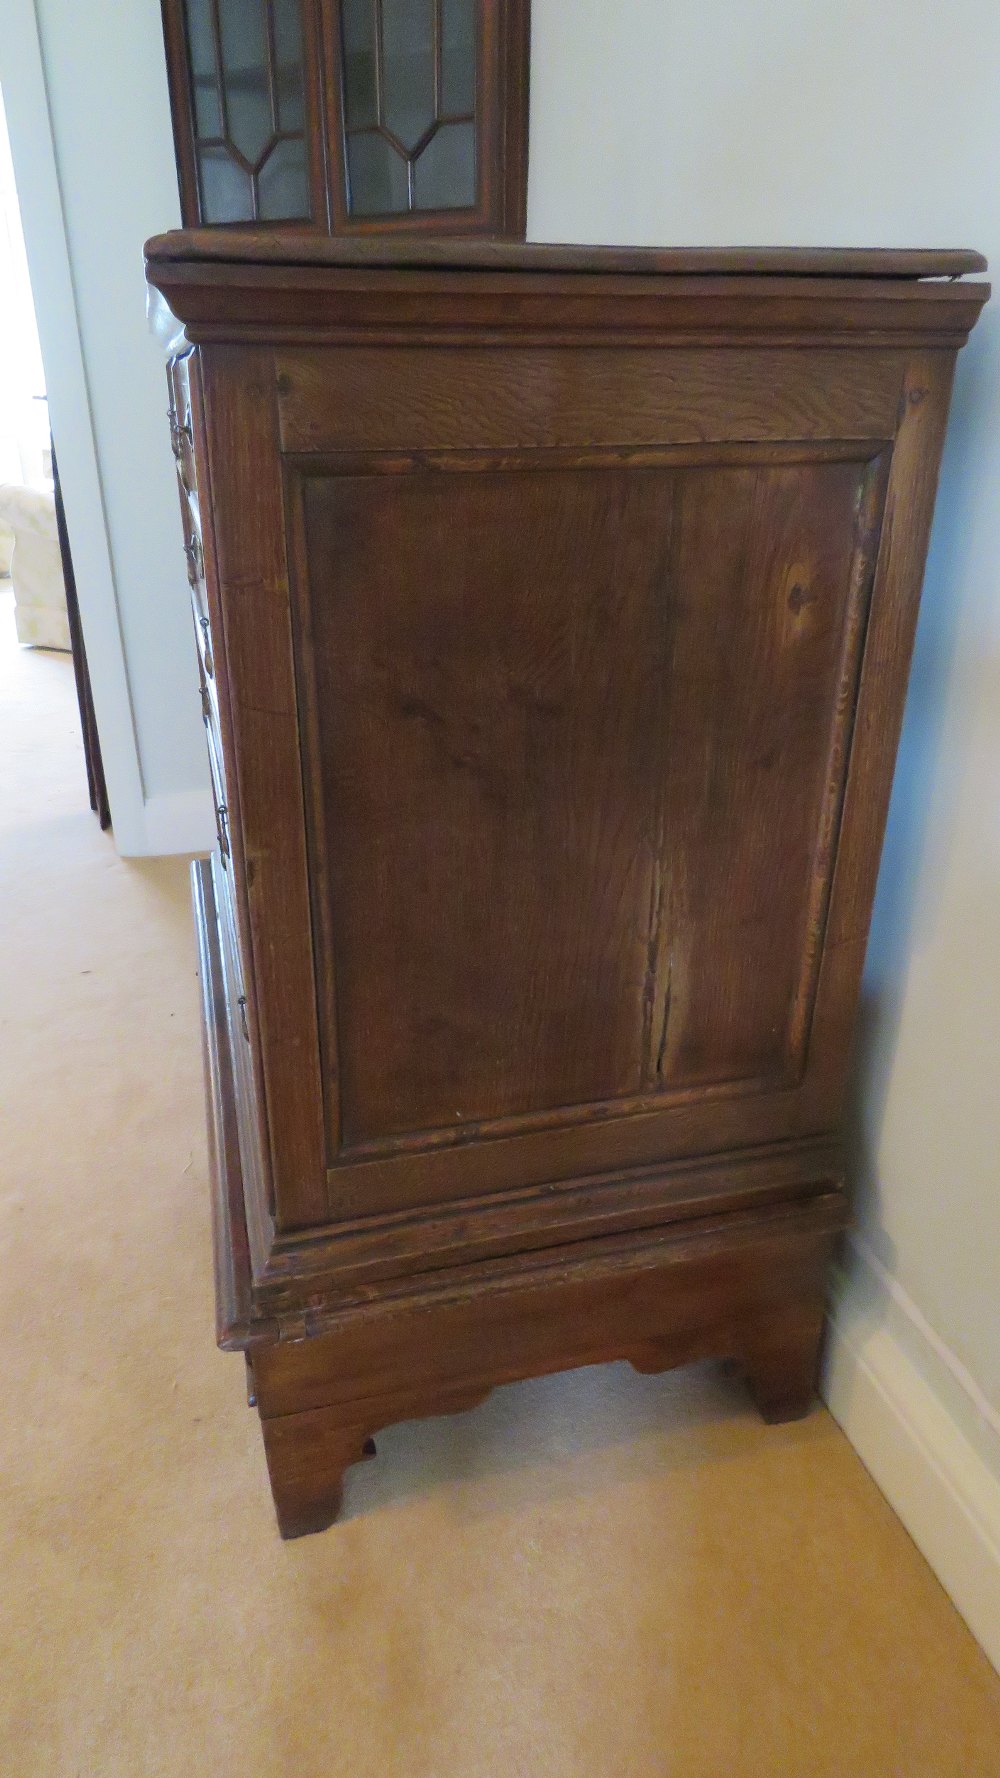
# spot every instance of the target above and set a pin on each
(302, 464)
(314, 813)
(892, 621)
(863, 569)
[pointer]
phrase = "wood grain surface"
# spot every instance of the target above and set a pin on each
(559, 611)
(562, 871)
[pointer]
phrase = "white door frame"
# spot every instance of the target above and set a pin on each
(36, 172)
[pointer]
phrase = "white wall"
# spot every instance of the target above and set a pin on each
(106, 80)
(23, 413)
(876, 123)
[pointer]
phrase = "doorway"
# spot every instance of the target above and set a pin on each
(38, 603)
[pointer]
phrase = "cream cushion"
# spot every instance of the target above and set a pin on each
(35, 566)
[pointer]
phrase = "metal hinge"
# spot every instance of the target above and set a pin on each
(179, 429)
(192, 551)
(207, 633)
(222, 831)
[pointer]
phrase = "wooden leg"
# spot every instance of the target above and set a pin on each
(307, 1455)
(781, 1359)
(308, 1452)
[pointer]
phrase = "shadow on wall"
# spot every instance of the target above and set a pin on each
(925, 790)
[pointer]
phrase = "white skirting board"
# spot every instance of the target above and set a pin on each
(924, 1432)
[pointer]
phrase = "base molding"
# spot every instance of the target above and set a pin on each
(876, 1383)
(753, 1293)
(322, 1400)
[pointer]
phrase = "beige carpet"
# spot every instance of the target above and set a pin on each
(601, 1574)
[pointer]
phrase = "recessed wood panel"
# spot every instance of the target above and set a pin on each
(569, 781)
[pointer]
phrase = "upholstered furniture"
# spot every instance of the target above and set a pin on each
(35, 566)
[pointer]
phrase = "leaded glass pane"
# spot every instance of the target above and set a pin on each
(287, 33)
(226, 193)
(244, 69)
(250, 113)
(357, 23)
(458, 57)
(379, 181)
(408, 69)
(283, 182)
(409, 89)
(444, 175)
(204, 74)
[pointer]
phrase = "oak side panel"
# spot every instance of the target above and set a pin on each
(461, 1162)
(558, 870)
(420, 397)
(249, 533)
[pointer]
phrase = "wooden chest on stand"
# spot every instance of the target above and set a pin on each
(554, 609)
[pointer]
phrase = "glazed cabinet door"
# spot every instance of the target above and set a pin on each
(245, 93)
(351, 116)
(547, 692)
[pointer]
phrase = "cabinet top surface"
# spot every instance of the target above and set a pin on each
(285, 248)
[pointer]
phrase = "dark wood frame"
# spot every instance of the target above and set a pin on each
(502, 133)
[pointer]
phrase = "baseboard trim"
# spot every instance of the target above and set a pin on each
(945, 1490)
